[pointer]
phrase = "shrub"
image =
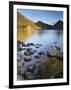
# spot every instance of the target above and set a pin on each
(51, 68)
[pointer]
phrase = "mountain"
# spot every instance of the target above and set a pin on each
(23, 22)
(44, 25)
(57, 26)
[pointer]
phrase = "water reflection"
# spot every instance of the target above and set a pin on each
(22, 34)
(44, 37)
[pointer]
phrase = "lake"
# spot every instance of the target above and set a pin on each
(46, 38)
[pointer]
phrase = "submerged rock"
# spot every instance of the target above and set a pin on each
(41, 53)
(37, 57)
(55, 42)
(27, 58)
(34, 50)
(30, 44)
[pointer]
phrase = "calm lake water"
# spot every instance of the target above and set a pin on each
(46, 38)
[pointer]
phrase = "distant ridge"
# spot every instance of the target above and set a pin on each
(57, 26)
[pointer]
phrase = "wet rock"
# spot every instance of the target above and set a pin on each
(22, 71)
(19, 49)
(34, 50)
(37, 57)
(23, 44)
(18, 42)
(29, 76)
(29, 49)
(58, 48)
(27, 45)
(31, 44)
(37, 46)
(19, 64)
(27, 58)
(18, 58)
(23, 48)
(31, 68)
(37, 62)
(19, 77)
(41, 53)
(22, 64)
(28, 53)
(55, 51)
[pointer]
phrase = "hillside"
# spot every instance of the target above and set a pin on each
(23, 22)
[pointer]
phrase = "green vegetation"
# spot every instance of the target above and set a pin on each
(51, 68)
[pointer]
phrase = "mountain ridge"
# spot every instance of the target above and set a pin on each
(57, 26)
(23, 22)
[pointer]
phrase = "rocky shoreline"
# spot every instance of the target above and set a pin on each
(29, 70)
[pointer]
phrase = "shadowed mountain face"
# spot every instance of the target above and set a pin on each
(57, 26)
(23, 22)
(44, 25)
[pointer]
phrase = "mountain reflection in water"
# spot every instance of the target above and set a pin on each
(44, 37)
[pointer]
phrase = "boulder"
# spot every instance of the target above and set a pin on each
(29, 49)
(29, 76)
(27, 58)
(55, 51)
(31, 68)
(28, 52)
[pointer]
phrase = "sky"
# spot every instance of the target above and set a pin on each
(46, 16)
